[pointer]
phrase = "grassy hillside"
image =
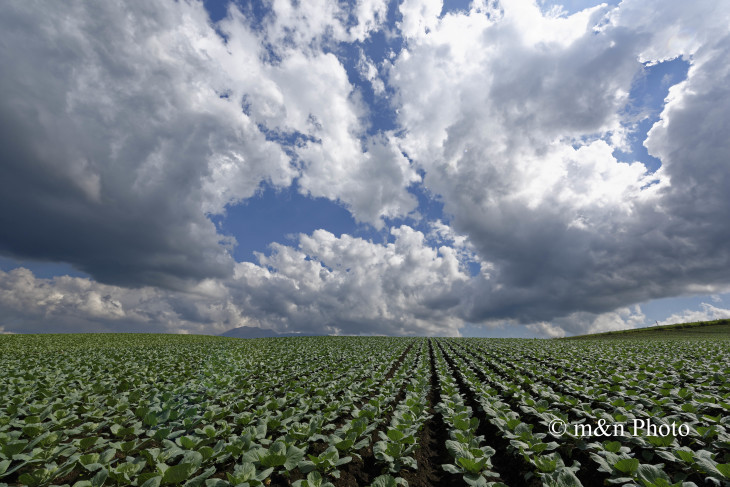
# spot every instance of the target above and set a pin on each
(699, 329)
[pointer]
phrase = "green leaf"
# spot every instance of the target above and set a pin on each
(380, 450)
(187, 442)
(388, 481)
(724, 469)
(314, 479)
(686, 455)
(275, 456)
(206, 452)
(451, 468)
(242, 473)
(627, 465)
(471, 466)
(462, 424)
(474, 480)
(152, 482)
(409, 462)
(343, 461)
(100, 477)
(14, 447)
(33, 430)
(703, 458)
(293, 456)
(128, 470)
(545, 463)
(305, 466)
(89, 458)
(29, 479)
(200, 479)
(689, 408)
(217, 483)
(456, 449)
(88, 442)
(651, 474)
(562, 477)
(150, 419)
(395, 435)
(261, 476)
(162, 434)
(660, 441)
(194, 459)
(177, 473)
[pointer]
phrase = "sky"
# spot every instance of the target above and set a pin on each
(508, 168)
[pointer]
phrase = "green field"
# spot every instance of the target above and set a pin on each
(150, 410)
(719, 329)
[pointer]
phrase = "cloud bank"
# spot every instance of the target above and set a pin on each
(126, 127)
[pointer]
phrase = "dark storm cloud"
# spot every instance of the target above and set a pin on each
(115, 142)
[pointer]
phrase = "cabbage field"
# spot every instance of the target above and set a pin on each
(151, 410)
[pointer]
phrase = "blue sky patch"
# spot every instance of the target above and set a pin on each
(646, 104)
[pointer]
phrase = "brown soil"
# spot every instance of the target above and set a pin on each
(432, 452)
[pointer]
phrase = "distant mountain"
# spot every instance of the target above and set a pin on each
(254, 332)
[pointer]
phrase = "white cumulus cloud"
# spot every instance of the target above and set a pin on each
(126, 126)
(348, 285)
(707, 312)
